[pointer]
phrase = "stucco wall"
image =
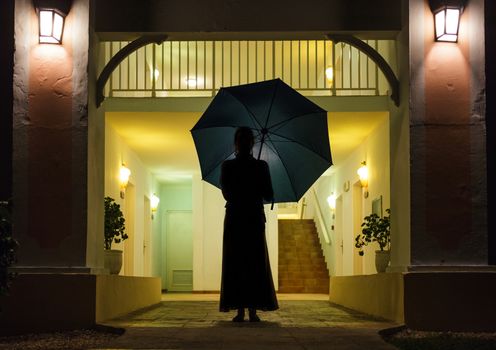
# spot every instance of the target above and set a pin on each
(6, 98)
(50, 131)
(447, 147)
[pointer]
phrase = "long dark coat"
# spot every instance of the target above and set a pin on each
(246, 275)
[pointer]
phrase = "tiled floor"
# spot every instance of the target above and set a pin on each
(197, 324)
(215, 297)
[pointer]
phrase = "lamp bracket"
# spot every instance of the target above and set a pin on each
(61, 6)
(376, 58)
(119, 57)
(437, 4)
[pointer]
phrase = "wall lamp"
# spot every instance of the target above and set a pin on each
(331, 200)
(51, 18)
(154, 200)
(447, 15)
(124, 174)
(329, 74)
(363, 174)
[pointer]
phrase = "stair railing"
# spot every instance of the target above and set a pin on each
(320, 218)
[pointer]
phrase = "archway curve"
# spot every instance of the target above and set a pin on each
(119, 57)
(376, 58)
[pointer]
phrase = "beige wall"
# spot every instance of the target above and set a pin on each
(116, 152)
(119, 295)
(375, 151)
(379, 295)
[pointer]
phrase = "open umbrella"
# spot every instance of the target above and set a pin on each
(290, 131)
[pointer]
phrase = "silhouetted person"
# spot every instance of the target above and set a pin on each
(246, 275)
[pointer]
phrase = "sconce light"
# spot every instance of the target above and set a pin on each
(447, 15)
(154, 200)
(51, 18)
(329, 73)
(363, 174)
(331, 200)
(124, 174)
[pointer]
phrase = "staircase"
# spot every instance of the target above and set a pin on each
(302, 268)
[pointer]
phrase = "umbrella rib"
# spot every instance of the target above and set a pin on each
(250, 113)
(302, 145)
(271, 104)
(289, 119)
(285, 168)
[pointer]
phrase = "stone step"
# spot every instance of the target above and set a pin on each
(302, 268)
(297, 275)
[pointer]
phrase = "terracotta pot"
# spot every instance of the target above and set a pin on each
(381, 260)
(113, 261)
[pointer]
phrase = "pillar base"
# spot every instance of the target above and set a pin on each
(451, 301)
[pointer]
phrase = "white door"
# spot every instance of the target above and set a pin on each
(179, 250)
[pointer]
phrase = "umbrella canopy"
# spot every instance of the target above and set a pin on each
(290, 131)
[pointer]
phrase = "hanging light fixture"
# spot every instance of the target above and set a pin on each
(51, 18)
(154, 200)
(447, 15)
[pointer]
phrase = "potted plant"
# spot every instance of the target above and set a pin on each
(8, 247)
(114, 232)
(376, 229)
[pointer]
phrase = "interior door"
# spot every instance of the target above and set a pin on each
(179, 250)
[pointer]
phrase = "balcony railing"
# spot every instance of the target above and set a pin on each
(200, 68)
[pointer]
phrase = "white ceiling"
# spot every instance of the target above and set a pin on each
(164, 144)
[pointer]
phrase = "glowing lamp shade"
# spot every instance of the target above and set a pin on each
(331, 200)
(447, 15)
(363, 174)
(51, 26)
(447, 22)
(154, 200)
(124, 174)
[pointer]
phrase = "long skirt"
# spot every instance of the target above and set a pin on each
(246, 276)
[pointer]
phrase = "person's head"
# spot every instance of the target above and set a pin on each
(243, 140)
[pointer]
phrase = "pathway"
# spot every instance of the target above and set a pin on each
(179, 323)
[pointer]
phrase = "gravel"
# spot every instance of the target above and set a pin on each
(407, 339)
(76, 339)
